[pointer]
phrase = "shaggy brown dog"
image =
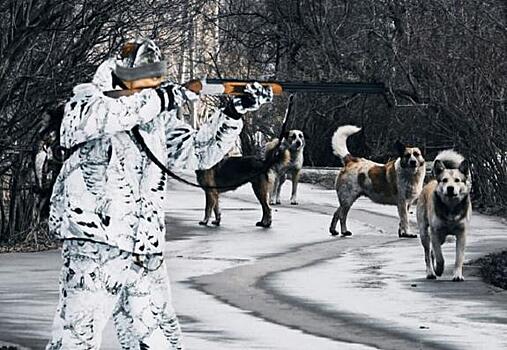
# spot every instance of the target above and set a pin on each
(399, 182)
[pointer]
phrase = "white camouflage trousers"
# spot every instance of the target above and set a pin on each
(98, 281)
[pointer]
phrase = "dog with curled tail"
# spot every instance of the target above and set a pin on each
(398, 182)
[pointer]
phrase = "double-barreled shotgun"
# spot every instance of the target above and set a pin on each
(237, 87)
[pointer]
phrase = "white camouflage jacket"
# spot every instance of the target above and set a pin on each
(109, 191)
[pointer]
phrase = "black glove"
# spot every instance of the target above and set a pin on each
(255, 96)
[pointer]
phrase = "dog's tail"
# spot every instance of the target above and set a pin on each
(339, 140)
(450, 158)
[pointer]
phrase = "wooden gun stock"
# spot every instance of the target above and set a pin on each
(227, 87)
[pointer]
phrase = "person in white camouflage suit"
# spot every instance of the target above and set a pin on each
(107, 203)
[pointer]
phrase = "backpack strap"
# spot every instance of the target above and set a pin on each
(154, 159)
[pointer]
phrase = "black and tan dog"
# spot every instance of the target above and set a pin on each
(444, 208)
(398, 182)
(233, 172)
(293, 144)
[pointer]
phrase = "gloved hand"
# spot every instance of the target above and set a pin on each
(171, 96)
(255, 96)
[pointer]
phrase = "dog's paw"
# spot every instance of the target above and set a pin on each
(408, 235)
(458, 278)
(439, 268)
(404, 234)
(294, 203)
(346, 234)
(263, 224)
(203, 223)
(431, 277)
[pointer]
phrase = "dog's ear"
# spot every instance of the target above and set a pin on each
(464, 168)
(438, 167)
(399, 148)
(286, 135)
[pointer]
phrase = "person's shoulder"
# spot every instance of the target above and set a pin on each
(82, 95)
(85, 90)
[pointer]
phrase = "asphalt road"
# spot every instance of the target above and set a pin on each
(291, 286)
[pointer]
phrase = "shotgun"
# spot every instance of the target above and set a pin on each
(237, 87)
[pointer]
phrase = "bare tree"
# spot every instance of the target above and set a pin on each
(443, 63)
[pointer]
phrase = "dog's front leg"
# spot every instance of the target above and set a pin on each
(281, 180)
(295, 181)
(460, 256)
(261, 190)
(426, 243)
(403, 214)
(216, 209)
(275, 193)
(437, 252)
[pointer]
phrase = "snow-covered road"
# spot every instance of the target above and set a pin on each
(291, 286)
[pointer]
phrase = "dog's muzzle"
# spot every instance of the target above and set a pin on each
(296, 145)
(451, 192)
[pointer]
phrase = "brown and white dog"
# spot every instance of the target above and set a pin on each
(233, 172)
(398, 182)
(292, 146)
(444, 208)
